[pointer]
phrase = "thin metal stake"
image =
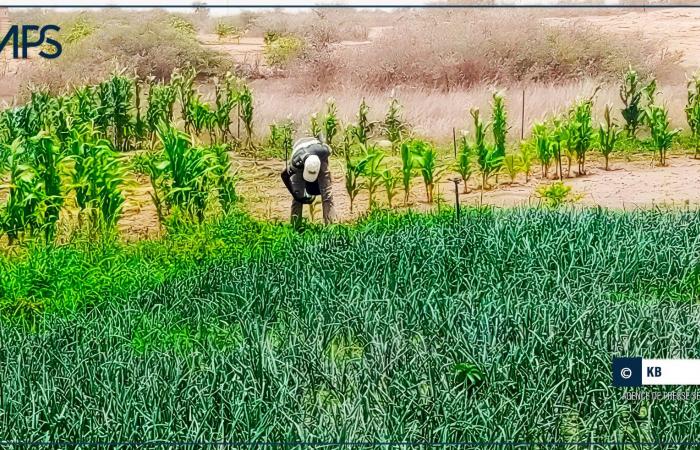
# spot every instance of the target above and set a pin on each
(454, 141)
(456, 181)
(522, 119)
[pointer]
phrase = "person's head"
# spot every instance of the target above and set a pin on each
(312, 167)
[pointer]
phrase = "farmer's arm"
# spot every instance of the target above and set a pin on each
(296, 186)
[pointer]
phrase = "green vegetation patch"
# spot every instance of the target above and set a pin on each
(400, 328)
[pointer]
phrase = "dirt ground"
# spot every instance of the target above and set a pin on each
(628, 185)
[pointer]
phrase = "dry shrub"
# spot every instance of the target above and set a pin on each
(456, 49)
(150, 46)
(321, 26)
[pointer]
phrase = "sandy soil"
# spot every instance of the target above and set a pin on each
(629, 185)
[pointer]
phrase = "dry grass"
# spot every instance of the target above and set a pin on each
(434, 113)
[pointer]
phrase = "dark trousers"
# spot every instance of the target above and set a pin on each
(299, 188)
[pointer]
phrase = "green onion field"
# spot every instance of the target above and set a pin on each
(499, 326)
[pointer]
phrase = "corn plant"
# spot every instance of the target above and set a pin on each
(407, 165)
(499, 125)
(543, 148)
(581, 132)
(202, 117)
(97, 177)
(233, 86)
(559, 138)
(161, 100)
(84, 108)
(245, 102)
(19, 213)
(631, 96)
(281, 137)
(221, 116)
(35, 194)
(363, 129)
(488, 160)
(608, 133)
(224, 180)
(183, 177)
(692, 112)
(526, 159)
(315, 128)
(46, 157)
(390, 181)
(512, 167)
(115, 109)
(464, 166)
(426, 160)
(565, 133)
(331, 123)
(372, 172)
(661, 136)
(394, 126)
(183, 81)
(40, 113)
(353, 171)
(62, 118)
(13, 125)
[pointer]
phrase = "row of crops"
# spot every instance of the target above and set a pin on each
(416, 328)
(57, 149)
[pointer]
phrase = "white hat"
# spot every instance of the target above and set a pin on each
(312, 166)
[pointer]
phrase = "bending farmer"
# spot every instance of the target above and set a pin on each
(307, 176)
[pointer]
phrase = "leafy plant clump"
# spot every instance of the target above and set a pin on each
(282, 50)
(555, 194)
